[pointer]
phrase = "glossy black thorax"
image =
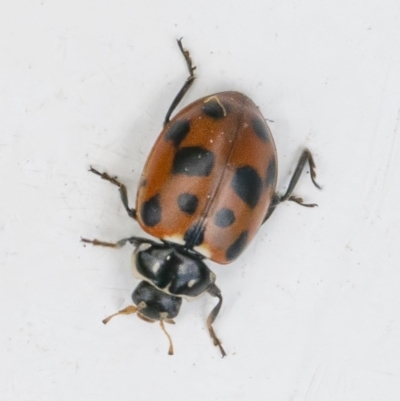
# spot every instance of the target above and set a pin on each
(172, 270)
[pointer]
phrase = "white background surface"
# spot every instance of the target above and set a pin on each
(311, 309)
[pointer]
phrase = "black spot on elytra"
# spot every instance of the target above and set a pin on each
(224, 217)
(261, 130)
(194, 236)
(213, 109)
(248, 185)
(271, 173)
(177, 132)
(188, 202)
(237, 247)
(151, 211)
(193, 161)
(143, 183)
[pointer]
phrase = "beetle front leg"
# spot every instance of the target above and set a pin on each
(122, 190)
(215, 292)
(305, 157)
(188, 83)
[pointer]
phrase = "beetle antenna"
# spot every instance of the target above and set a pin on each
(171, 347)
(127, 311)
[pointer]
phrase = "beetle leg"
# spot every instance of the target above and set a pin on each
(215, 292)
(188, 83)
(122, 190)
(101, 243)
(274, 203)
(306, 156)
(135, 241)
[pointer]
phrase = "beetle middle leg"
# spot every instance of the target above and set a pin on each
(122, 190)
(215, 292)
(135, 241)
(305, 157)
(188, 83)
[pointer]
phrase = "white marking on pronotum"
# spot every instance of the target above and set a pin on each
(156, 267)
(143, 246)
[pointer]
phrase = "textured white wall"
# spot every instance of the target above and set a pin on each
(311, 310)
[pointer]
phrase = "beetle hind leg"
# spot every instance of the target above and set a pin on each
(188, 83)
(215, 292)
(122, 190)
(305, 157)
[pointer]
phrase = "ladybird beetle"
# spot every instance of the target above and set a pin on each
(207, 187)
